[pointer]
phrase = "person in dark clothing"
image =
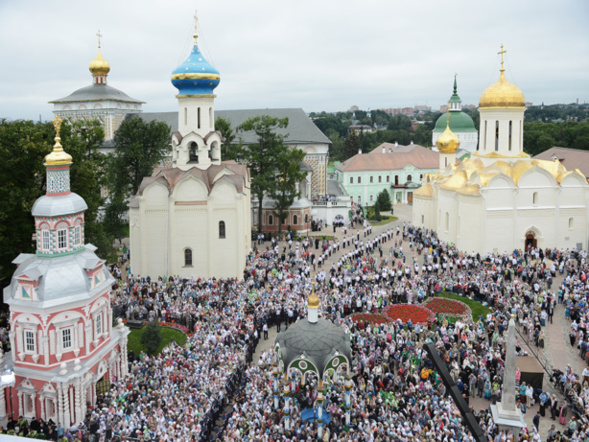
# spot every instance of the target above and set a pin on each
(536, 420)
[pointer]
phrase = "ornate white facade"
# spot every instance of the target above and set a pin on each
(193, 219)
(64, 350)
(500, 199)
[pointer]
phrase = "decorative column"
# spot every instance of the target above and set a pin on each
(42, 404)
(320, 390)
(67, 417)
(348, 387)
(275, 383)
(78, 415)
(21, 408)
(286, 392)
(59, 403)
(3, 414)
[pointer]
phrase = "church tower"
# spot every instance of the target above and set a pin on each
(64, 350)
(501, 107)
(447, 144)
(196, 144)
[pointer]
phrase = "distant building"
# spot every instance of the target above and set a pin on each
(361, 128)
(98, 101)
(461, 124)
(397, 169)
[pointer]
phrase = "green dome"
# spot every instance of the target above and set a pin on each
(459, 122)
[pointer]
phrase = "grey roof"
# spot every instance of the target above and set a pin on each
(318, 342)
(60, 279)
(97, 92)
(300, 130)
(335, 188)
(59, 205)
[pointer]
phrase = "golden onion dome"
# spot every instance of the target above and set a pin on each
(502, 94)
(313, 301)
(99, 66)
(58, 156)
(448, 141)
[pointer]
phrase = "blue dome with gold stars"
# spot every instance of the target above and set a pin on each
(195, 76)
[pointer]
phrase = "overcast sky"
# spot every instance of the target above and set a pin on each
(314, 54)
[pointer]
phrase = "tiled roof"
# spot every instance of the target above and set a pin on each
(395, 157)
(570, 158)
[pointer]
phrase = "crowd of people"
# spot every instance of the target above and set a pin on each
(211, 389)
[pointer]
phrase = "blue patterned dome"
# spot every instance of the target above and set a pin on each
(195, 76)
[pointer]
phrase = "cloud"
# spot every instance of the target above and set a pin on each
(324, 55)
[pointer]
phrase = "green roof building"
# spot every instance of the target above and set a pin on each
(460, 123)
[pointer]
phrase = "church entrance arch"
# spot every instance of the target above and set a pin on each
(531, 241)
(103, 385)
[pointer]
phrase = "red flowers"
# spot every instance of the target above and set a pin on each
(361, 319)
(448, 307)
(417, 314)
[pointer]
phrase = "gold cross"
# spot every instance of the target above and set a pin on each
(98, 34)
(57, 124)
(195, 23)
(501, 52)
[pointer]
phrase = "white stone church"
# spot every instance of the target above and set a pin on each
(500, 199)
(193, 219)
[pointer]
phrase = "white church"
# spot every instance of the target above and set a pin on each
(500, 199)
(194, 218)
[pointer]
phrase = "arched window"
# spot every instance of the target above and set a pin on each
(371, 179)
(198, 117)
(185, 116)
(496, 135)
(510, 129)
(396, 180)
(222, 229)
(422, 219)
(571, 222)
(485, 137)
(187, 257)
(351, 180)
(371, 197)
(270, 220)
(359, 198)
(193, 152)
(409, 178)
(295, 220)
(306, 218)
(447, 220)
(535, 198)
(359, 180)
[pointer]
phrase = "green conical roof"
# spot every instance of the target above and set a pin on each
(459, 122)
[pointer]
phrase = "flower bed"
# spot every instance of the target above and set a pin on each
(415, 313)
(448, 307)
(361, 319)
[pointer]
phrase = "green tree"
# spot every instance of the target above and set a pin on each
(383, 201)
(151, 338)
(231, 149)
(351, 145)
(262, 157)
(289, 174)
(139, 148)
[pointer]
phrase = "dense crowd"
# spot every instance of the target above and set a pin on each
(209, 388)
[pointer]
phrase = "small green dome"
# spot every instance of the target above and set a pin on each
(459, 122)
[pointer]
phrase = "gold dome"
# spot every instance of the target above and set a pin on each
(313, 301)
(99, 66)
(58, 157)
(448, 142)
(502, 94)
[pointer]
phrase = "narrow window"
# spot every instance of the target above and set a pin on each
(198, 117)
(421, 177)
(295, 220)
(211, 117)
(396, 180)
(380, 179)
(359, 180)
(222, 229)
(77, 231)
(409, 178)
(570, 223)
(45, 235)
(351, 180)
(510, 128)
(371, 179)
(485, 136)
(371, 197)
(62, 239)
(388, 178)
(185, 116)
(99, 324)
(29, 341)
(66, 338)
(496, 136)
(187, 257)
(270, 220)
(447, 220)
(535, 198)
(422, 219)
(359, 198)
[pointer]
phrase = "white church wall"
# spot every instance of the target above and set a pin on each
(469, 223)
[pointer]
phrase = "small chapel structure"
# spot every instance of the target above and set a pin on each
(64, 350)
(193, 219)
(500, 199)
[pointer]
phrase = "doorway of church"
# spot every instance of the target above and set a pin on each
(531, 242)
(103, 385)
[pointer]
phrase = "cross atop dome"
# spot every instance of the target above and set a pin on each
(195, 35)
(501, 52)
